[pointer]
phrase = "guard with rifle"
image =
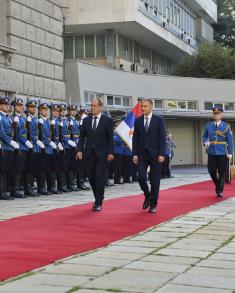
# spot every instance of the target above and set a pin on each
(33, 154)
(8, 145)
(44, 131)
(20, 136)
(54, 158)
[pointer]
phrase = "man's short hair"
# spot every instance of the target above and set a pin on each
(148, 100)
(99, 100)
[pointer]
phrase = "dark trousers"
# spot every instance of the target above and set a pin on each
(96, 171)
(166, 172)
(217, 168)
(71, 159)
(118, 163)
(155, 177)
(7, 159)
(127, 168)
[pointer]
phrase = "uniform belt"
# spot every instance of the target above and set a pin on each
(67, 135)
(218, 142)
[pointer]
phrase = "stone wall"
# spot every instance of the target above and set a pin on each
(35, 30)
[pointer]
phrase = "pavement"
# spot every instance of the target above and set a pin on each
(191, 253)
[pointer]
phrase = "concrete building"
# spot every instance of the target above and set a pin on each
(31, 48)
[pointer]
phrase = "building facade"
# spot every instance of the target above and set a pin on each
(31, 48)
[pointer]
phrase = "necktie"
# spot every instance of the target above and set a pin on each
(216, 125)
(94, 124)
(146, 124)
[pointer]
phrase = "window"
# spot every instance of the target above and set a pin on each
(100, 46)
(68, 47)
(110, 100)
(182, 105)
(125, 48)
(90, 46)
(79, 47)
(126, 101)
(226, 106)
(118, 101)
(89, 96)
(158, 104)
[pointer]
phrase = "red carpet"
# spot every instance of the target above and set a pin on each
(30, 242)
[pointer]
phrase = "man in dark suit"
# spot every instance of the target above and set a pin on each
(97, 146)
(149, 141)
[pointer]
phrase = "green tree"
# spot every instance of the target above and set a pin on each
(210, 61)
(225, 28)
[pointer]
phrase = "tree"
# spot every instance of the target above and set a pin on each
(225, 28)
(210, 61)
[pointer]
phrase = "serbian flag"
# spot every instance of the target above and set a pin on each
(126, 129)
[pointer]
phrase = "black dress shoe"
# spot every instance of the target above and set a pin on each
(152, 210)
(220, 194)
(108, 184)
(146, 203)
(96, 208)
(5, 196)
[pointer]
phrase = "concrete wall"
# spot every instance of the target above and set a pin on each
(110, 81)
(34, 29)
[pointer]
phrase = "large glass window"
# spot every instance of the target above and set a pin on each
(100, 46)
(226, 106)
(79, 47)
(68, 47)
(90, 46)
(158, 104)
(182, 105)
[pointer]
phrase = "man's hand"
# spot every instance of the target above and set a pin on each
(161, 159)
(110, 157)
(79, 156)
(136, 160)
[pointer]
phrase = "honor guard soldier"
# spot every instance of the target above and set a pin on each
(74, 136)
(20, 133)
(54, 158)
(218, 139)
(118, 153)
(33, 154)
(8, 145)
(44, 127)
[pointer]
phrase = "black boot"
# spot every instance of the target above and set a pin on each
(220, 186)
(216, 182)
(3, 187)
(15, 191)
(52, 183)
(42, 185)
(29, 191)
(70, 183)
(62, 183)
(81, 185)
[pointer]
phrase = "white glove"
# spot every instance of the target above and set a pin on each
(207, 144)
(72, 143)
(60, 147)
(14, 144)
(16, 119)
(71, 123)
(230, 157)
(40, 120)
(29, 119)
(40, 144)
(61, 124)
(0, 146)
(28, 144)
(53, 145)
(53, 122)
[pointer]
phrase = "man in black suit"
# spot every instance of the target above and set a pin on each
(149, 141)
(97, 146)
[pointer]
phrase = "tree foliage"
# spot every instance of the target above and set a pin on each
(225, 28)
(210, 61)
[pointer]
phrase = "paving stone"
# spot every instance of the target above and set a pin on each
(98, 261)
(205, 281)
(227, 250)
(90, 291)
(173, 288)
(157, 267)
(117, 255)
(27, 288)
(170, 259)
(127, 249)
(131, 280)
(73, 269)
(135, 243)
(214, 263)
(229, 273)
(223, 256)
(183, 252)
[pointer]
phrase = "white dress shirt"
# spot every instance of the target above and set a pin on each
(97, 120)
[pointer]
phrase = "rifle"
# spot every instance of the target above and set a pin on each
(53, 134)
(29, 137)
(15, 124)
(40, 131)
(70, 128)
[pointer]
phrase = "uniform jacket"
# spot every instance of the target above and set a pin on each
(46, 134)
(33, 127)
(6, 132)
(220, 138)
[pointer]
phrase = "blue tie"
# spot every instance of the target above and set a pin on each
(146, 124)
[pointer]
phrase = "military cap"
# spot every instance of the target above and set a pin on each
(4, 100)
(63, 106)
(31, 103)
(43, 105)
(55, 106)
(72, 107)
(18, 101)
(116, 119)
(217, 110)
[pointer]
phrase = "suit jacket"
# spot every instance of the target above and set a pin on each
(101, 140)
(154, 141)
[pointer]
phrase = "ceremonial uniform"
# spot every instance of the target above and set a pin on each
(127, 164)
(166, 171)
(7, 151)
(219, 140)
